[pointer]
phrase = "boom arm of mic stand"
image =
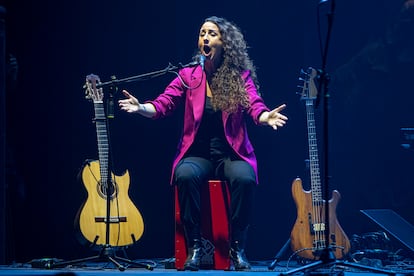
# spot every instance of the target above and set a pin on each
(141, 77)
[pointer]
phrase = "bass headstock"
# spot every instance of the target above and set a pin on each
(309, 90)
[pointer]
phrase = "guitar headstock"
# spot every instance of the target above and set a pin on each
(309, 90)
(92, 92)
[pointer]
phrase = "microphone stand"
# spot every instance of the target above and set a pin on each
(107, 252)
(327, 257)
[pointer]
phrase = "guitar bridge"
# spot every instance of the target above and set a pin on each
(111, 219)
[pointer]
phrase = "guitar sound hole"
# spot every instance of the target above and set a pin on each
(104, 190)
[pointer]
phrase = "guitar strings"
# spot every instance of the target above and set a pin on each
(317, 212)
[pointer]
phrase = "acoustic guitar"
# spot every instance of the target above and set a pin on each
(108, 216)
(308, 236)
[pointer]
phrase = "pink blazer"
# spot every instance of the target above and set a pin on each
(193, 95)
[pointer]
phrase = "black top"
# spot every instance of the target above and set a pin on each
(210, 141)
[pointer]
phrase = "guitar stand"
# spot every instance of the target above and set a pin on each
(107, 254)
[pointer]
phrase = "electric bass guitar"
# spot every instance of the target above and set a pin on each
(108, 216)
(308, 236)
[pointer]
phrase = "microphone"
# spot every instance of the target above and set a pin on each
(194, 63)
(202, 59)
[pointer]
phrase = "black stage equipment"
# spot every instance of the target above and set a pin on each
(394, 224)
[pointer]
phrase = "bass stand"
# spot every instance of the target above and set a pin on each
(279, 255)
(107, 253)
(327, 257)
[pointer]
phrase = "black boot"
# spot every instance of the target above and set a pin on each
(238, 256)
(193, 256)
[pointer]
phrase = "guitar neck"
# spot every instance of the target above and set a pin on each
(313, 153)
(102, 137)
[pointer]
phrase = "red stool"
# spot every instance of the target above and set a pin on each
(214, 227)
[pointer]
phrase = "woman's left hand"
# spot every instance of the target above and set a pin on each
(276, 119)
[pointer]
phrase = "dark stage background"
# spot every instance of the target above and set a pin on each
(50, 131)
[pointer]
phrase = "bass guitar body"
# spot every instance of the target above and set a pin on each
(125, 221)
(308, 234)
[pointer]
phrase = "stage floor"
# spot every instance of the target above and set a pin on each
(161, 267)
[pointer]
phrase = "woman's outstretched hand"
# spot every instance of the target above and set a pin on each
(130, 104)
(274, 118)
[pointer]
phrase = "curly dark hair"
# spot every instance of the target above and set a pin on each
(227, 86)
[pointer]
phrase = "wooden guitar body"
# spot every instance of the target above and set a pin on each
(308, 235)
(126, 224)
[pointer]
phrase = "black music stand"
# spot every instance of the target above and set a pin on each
(327, 257)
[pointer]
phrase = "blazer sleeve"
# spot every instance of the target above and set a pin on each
(167, 102)
(257, 105)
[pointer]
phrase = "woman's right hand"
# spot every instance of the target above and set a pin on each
(130, 104)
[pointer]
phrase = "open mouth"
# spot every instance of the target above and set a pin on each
(206, 50)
